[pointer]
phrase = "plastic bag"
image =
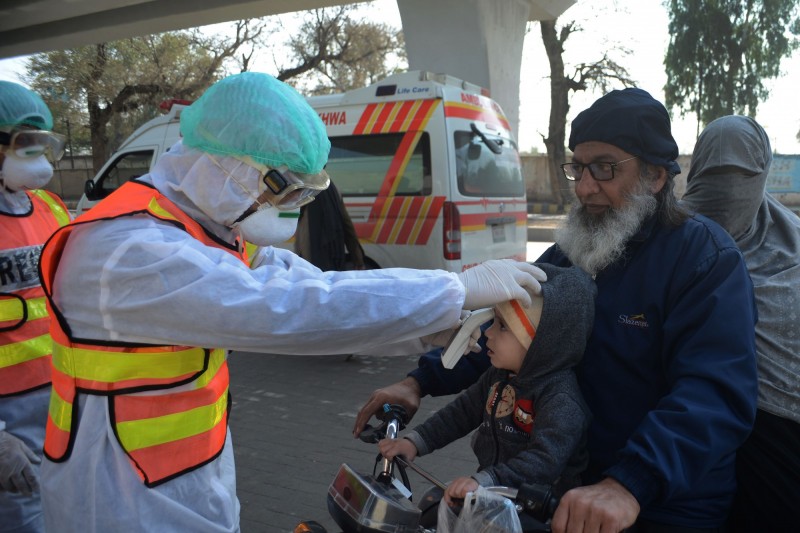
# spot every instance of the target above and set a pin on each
(483, 512)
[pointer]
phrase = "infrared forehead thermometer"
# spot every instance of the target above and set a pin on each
(459, 342)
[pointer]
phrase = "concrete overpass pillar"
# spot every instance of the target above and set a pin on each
(479, 41)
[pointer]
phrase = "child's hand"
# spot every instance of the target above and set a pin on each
(458, 489)
(391, 447)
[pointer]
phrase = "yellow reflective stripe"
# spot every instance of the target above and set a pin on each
(11, 309)
(62, 216)
(60, 411)
(137, 434)
(216, 359)
(252, 252)
(154, 207)
(110, 367)
(37, 308)
(24, 351)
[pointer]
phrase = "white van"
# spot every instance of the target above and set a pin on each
(426, 163)
(135, 156)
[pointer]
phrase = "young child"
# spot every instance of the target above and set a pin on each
(527, 407)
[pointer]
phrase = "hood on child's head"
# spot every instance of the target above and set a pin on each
(565, 322)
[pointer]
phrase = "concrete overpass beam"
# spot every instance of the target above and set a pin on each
(479, 41)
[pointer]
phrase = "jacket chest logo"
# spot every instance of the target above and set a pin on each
(636, 321)
(507, 404)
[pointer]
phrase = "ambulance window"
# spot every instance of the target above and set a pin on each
(360, 165)
(125, 168)
(481, 172)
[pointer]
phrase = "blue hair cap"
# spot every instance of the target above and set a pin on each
(19, 106)
(255, 115)
(631, 120)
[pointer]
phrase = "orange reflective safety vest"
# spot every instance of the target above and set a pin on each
(165, 433)
(25, 343)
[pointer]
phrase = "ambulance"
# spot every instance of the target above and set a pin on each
(426, 163)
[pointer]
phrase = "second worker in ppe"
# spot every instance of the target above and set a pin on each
(152, 287)
(28, 216)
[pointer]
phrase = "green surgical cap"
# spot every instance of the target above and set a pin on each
(253, 114)
(19, 105)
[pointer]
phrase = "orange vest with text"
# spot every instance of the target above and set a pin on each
(25, 343)
(165, 433)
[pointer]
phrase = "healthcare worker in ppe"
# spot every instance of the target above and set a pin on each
(148, 287)
(28, 216)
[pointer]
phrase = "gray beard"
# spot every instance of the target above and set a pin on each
(594, 242)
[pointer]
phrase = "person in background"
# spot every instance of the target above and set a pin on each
(727, 182)
(152, 287)
(669, 371)
(325, 234)
(28, 216)
(530, 417)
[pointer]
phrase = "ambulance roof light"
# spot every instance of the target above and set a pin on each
(166, 105)
(446, 79)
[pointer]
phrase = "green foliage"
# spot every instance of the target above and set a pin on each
(721, 51)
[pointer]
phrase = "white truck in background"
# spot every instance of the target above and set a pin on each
(426, 163)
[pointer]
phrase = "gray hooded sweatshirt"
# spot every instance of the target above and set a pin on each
(727, 183)
(534, 429)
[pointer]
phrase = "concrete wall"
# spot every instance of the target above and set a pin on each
(69, 176)
(71, 173)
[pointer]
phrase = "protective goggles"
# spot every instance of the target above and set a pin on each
(33, 143)
(282, 188)
(286, 190)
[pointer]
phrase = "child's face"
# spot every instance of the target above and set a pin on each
(505, 351)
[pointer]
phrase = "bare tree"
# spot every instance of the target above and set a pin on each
(110, 88)
(600, 74)
(130, 77)
(334, 51)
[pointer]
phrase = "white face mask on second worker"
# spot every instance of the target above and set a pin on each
(268, 226)
(273, 215)
(29, 173)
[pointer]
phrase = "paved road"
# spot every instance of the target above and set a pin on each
(291, 424)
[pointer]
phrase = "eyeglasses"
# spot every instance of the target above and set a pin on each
(33, 143)
(600, 171)
(282, 188)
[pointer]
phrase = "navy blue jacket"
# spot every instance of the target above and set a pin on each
(669, 371)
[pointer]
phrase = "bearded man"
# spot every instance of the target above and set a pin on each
(669, 370)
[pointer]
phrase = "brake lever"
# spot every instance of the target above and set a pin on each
(372, 435)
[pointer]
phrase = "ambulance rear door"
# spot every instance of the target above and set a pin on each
(488, 189)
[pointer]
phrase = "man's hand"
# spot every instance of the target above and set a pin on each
(606, 507)
(406, 393)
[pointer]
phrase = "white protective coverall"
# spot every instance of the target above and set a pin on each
(137, 279)
(23, 416)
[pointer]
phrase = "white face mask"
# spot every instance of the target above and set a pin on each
(20, 174)
(268, 226)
